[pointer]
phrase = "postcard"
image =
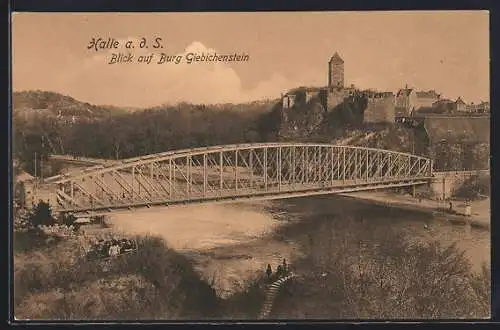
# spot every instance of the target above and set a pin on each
(251, 166)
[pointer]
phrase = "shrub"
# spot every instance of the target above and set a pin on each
(47, 267)
(370, 273)
(473, 187)
(128, 297)
(21, 220)
(41, 215)
(246, 303)
(481, 291)
(173, 275)
(33, 239)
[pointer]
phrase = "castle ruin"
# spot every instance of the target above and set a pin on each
(380, 105)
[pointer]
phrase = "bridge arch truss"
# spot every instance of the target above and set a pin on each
(232, 172)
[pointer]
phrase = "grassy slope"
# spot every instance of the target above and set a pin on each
(55, 282)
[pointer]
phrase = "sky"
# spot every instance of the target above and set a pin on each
(445, 51)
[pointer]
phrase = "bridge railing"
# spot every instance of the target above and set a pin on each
(235, 170)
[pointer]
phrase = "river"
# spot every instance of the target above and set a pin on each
(232, 243)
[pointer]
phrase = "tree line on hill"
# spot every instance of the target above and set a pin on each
(140, 133)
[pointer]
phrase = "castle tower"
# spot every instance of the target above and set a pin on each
(336, 71)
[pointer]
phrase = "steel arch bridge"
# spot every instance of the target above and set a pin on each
(235, 172)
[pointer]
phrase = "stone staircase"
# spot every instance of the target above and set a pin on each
(271, 293)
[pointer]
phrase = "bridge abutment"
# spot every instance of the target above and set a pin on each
(34, 192)
(444, 184)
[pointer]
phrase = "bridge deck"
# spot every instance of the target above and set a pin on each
(230, 195)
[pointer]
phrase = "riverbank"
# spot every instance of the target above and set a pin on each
(227, 247)
(480, 217)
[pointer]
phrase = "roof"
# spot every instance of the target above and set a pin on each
(373, 93)
(443, 101)
(460, 101)
(404, 92)
(472, 129)
(304, 89)
(313, 89)
(336, 59)
(24, 176)
(428, 94)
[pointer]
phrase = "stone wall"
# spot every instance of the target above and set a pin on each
(288, 101)
(380, 110)
(334, 98)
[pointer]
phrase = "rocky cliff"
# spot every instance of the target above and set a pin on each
(312, 120)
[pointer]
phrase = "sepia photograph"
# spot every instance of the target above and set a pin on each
(251, 166)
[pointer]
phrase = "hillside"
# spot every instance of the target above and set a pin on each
(55, 104)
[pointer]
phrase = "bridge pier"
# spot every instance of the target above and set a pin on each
(444, 188)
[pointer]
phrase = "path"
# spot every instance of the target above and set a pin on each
(271, 294)
(481, 215)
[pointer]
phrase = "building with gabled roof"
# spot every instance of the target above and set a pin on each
(425, 99)
(460, 105)
(24, 177)
(409, 100)
(482, 107)
(406, 101)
